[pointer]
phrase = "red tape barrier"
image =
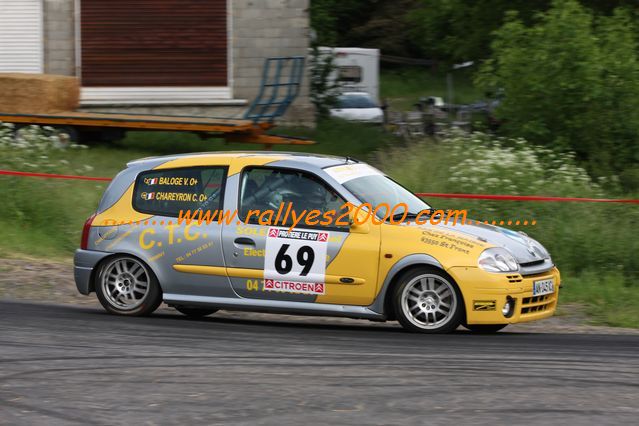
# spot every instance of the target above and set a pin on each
(51, 176)
(524, 198)
(419, 194)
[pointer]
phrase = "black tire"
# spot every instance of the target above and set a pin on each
(400, 299)
(485, 328)
(195, 312)
(105, 287)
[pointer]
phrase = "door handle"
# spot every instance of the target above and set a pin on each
(244, 241)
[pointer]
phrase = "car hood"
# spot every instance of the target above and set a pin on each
(529, 253)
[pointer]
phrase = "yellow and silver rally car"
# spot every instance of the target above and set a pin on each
(302, 234)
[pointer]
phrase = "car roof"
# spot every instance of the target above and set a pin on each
(316, 160)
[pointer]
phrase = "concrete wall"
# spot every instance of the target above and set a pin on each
(59, 37)
(263, 28)
(259, 29)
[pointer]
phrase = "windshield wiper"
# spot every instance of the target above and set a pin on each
(409, 215)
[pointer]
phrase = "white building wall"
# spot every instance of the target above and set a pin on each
(21, 37)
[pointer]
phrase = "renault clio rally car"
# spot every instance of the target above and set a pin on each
(137, 250)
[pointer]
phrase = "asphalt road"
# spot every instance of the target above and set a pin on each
(77, 365)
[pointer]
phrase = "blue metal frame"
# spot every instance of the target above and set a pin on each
(269, 102)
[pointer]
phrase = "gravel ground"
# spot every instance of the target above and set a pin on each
(52, 282)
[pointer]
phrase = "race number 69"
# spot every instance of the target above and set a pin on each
(295, 255)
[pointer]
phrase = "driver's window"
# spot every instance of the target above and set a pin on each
(267, 189)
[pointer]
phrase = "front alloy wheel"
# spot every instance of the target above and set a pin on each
(428, 301)
(126, 286)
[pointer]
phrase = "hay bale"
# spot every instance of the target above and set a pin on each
(38, 93)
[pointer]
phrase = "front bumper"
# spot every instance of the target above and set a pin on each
(84, 262)
(486, 293)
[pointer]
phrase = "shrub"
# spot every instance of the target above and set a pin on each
(571, 81)
(323, 84)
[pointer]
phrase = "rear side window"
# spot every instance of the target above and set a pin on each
(166, 192)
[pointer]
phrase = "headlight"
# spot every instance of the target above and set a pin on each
(497, 259)
(539, 249)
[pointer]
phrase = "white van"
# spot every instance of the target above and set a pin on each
(357, 69)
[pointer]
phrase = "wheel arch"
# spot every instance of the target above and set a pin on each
(381, 303)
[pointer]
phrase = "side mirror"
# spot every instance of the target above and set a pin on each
(360, 226)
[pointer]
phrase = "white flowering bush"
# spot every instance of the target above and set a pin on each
(30, 148)
(479, 163)
(485, 164)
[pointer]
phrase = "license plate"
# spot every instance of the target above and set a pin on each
(542, 287)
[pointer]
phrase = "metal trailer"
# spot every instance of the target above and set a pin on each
(281, 79)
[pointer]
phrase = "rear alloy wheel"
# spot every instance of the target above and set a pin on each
(428, 301)
(126, 286)
(485, 328)
(195, 312)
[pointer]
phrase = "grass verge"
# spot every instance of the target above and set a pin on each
(335, 137)
(609, 297)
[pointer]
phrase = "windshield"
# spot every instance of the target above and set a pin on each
(377, 189)
(356, 101)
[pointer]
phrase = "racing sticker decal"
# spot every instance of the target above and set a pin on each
(450, 241)
(484, 305)
(295, 261)
(348, 172)
(294, 287)
(174, 196)
(171, 180)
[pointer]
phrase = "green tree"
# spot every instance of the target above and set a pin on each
(323, 85)
(324, 22)
(333, 20)
(381, 24)
(459, 30)
(571, 81)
